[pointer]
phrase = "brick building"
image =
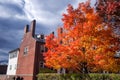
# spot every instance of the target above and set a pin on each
(30, 57)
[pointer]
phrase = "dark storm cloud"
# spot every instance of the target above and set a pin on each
(43, 29)
(12, 33)
(3, 58)
(11, 24)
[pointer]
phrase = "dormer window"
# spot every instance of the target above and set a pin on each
(25, 50)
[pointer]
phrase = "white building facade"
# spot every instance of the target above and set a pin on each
(12, 62)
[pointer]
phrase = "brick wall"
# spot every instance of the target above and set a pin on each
(28, 64)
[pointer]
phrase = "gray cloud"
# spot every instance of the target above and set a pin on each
(52, 5)
(11, 35)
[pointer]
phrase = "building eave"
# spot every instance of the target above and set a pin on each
(13, 50)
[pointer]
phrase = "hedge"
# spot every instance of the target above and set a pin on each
(46, 70)
(92, 76)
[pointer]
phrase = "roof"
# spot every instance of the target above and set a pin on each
(14, 50)
(38, 38)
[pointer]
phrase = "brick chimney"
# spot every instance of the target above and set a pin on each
(26, 29)
(32, 28)
(30, 54)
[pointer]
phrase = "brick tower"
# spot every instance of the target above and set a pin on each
(30, 56)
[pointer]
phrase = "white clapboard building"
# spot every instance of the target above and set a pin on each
(12, 62)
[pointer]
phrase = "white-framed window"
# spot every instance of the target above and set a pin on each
(25, 50)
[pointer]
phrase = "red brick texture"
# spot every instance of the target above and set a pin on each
(28, 64)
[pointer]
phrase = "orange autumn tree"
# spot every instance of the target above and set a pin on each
(85, 42)
(50, 56)
(55, 56)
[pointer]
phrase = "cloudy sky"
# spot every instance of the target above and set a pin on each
(15, 14)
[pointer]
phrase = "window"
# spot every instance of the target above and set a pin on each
(41, 64)
(13, 55)
(25, 50)
(42, 48)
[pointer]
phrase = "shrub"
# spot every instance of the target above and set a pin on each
(55, 76)
(115, 76)
(105, 76)
(46, 70)
(48, 76)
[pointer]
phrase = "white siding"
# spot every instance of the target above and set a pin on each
(12, 63)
